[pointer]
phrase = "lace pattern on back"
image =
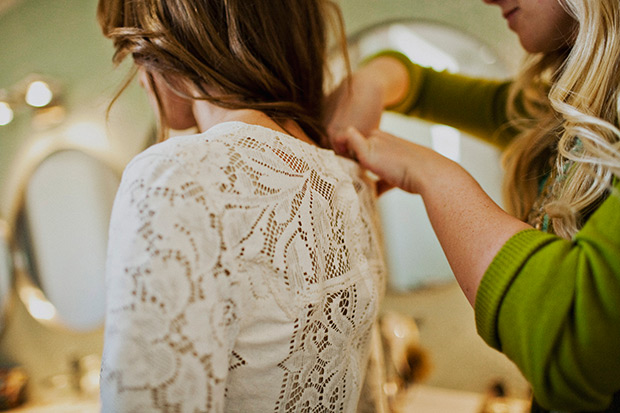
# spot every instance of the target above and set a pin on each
(244, 274)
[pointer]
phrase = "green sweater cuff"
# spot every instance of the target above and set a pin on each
(416, 78)
(498, 278)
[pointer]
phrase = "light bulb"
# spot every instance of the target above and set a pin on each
(38, 94)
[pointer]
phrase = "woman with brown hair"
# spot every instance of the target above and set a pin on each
(244, 270)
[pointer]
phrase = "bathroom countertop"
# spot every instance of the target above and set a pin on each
(427, 399)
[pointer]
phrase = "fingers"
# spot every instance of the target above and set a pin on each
(342, 141)
(359, 148)
(354, 104)
(338, 140)
(356, 144)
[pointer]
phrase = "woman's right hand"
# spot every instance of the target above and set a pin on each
(360, 100)
(355, 102)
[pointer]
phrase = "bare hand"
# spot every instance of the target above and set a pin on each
(397, 162)
(355, 103)
(360, 100)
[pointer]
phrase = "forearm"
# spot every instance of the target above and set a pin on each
(474, 105)
(387, 77)
(469, 225)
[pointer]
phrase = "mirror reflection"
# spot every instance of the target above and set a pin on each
(414, 255)
(61, 237)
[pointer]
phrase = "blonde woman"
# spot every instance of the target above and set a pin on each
(545, 279)
(244, 270)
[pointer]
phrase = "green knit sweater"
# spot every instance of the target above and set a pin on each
(551, 305)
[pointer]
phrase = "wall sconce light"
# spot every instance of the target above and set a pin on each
(36, 93)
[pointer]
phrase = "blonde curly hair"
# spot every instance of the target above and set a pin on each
(566, 104)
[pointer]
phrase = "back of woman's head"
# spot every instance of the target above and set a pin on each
(572, 99)
(268, 55)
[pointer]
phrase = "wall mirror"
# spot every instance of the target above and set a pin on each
(414, 255)
(60, 217)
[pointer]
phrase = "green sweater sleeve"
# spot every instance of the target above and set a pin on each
(553, 307)
(475, 106)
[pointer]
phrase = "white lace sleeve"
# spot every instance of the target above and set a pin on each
(172, 304)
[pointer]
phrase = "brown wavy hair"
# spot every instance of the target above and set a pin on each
(252, 54)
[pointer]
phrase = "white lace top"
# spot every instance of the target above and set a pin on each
(244, 274)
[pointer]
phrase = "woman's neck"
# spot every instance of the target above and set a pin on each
(208, 115)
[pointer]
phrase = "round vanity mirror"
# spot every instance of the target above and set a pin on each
(413, 253)
(60, 228)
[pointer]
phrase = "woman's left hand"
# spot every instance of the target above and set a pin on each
(397, 162)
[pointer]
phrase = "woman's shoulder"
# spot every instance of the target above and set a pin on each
(238, 144)
(202, 155)
(235, 158)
